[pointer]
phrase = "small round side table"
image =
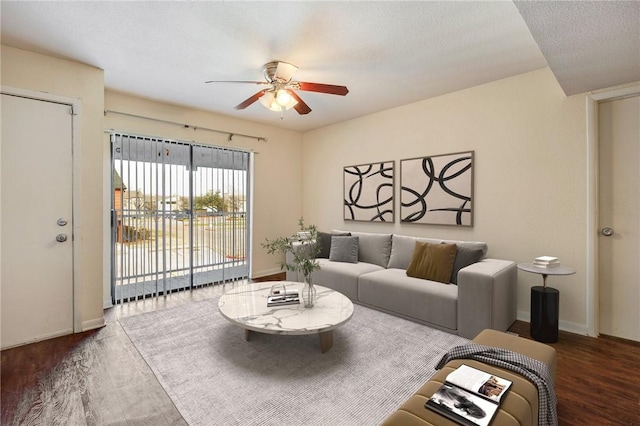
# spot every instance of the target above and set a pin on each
(545, 303)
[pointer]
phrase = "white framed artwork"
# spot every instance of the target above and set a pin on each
(437, 190)
(368, 192)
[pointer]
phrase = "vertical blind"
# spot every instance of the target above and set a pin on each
(180, 215)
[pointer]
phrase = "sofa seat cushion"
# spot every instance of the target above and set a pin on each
(393, 290)
(342, 277)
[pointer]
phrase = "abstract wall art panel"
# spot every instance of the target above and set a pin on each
(437, 190)
(368, 192)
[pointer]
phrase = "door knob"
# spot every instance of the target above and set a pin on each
(61, 238)
(607, 232)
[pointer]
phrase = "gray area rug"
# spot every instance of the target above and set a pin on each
(215, 377)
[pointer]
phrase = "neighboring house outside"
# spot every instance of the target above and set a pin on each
(134, 205)
(119, 189)
(170, 204)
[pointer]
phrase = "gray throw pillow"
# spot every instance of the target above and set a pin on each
(324, 240)
(464, 257)
(344, 249)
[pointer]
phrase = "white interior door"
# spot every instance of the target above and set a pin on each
(37, 269)
(619, 217)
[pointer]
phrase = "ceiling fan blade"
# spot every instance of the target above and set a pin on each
(250, 100)
(284, 71)
(323, 88)
(237, 81)
(301, 107)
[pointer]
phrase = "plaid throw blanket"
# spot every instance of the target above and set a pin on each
(535, 371)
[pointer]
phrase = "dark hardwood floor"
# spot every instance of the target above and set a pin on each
(598, 379)
(98, 377)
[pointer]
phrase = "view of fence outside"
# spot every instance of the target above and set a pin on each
(166, 236)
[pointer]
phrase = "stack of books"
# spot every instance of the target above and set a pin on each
(280, 296)
(469, 396)
(546, 262)
(303, 235)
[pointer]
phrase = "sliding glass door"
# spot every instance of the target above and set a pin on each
(180, 215)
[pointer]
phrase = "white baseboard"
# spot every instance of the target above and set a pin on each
(563, 325)
(106, 304)
(266, 273)
(572, 327)
(93, 324)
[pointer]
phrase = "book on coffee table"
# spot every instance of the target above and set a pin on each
(469, 396)
(289, 297)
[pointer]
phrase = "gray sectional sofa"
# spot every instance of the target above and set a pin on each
(482, 292)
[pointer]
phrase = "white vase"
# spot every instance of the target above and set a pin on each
(308, 293)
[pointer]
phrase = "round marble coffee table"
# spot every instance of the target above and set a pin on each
(246, 306)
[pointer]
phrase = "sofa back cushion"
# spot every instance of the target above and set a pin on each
(402, 250)
(468, 252)
(373, 248)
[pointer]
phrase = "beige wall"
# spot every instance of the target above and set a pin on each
(31, 71)
(530, 168)
(530, 173)
(277, 167)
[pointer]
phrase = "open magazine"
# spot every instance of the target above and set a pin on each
(469, 396)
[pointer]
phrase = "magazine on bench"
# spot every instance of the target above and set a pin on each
(469, 396)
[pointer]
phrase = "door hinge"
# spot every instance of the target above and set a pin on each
(72, 110)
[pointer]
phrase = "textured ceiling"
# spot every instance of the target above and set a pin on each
(387, 53)
(588, 45)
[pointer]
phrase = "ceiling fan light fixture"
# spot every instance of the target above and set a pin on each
(278, 101)
(280, 95)
(268, 101)
(283, 97)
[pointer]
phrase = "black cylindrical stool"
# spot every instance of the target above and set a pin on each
(545, 310)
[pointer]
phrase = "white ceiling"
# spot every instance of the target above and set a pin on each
(588, 45)
(387, 53)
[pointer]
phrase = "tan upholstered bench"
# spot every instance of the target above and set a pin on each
(520, 406)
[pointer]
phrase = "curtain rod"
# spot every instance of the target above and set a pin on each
(188, 126)
(191, 142)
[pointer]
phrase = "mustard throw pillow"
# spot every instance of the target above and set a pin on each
(432, 262)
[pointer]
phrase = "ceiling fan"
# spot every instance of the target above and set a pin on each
(281, 95)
